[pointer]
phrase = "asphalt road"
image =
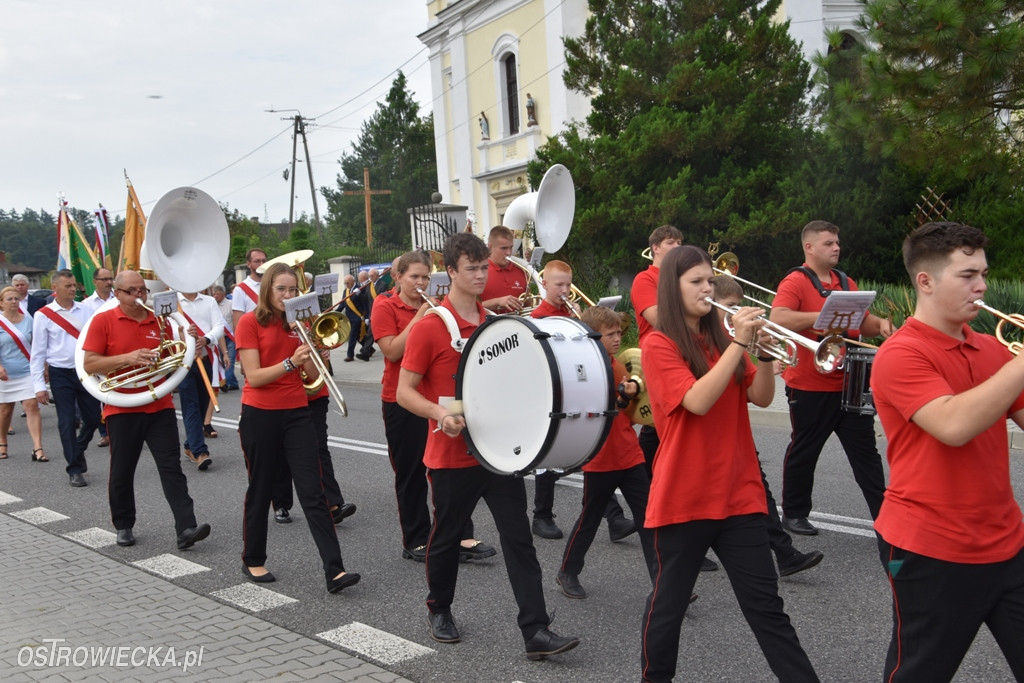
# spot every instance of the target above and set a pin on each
(841, 609)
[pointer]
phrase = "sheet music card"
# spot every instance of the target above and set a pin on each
(301, 307)
(844, 310)
(326, 284)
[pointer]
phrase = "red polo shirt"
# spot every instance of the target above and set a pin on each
(548, 310)
(706, 465)
(950, 503)
(274, 343)
(112, 333)
(797, 292)
(621, 450)
(390, 316)
(644, 294)
(429, 352)
(503, 281)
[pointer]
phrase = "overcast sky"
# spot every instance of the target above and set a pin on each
(175, 94)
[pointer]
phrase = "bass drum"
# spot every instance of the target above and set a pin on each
(536, 393)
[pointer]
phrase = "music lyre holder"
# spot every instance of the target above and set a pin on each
(325, 284)
(302, 307)
(843, 311)
(165, 303)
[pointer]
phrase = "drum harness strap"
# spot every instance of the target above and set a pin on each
(844, 282)
(458, 343)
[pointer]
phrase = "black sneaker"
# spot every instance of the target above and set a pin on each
(281, 516)
(442, 628)
(545, 527)
(798, 561)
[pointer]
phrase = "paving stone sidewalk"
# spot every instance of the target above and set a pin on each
(63, 604)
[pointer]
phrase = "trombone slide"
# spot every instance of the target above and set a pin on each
(314, 355)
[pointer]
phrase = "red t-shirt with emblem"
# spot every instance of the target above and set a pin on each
(951, 503)
(548, 310)
(274, 343)
(112, 333)
(706, 465)
(644, 294)
(429, 352)
(797, 292)
(390, 317)
(503, 281)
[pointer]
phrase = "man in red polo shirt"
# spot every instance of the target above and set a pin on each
(505, 280)
(952, 532)
(815, 398)
(426, 387)
(127, 336)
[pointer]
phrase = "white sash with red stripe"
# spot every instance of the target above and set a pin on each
(16, 335)
(61, 322)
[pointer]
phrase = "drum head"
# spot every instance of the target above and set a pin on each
(513, 389)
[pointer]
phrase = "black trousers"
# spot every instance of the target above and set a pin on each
(815, 415)
(268, 437)
(938, 608)
(406, 435)
(69, 395)
(159, 431)
(455, 493)
(598, 490)
(741, 543)
(780, 541)
(282, 497)
(649, 445)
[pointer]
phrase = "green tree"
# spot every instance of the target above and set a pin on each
(397, 145)
(941, 91)
(697, 116)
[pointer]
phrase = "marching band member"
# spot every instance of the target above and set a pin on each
(393, 318)
(557, 281)
(123, 336)
(706, 490)
(952, 534)
(426, 384)
(619, 464)
(728, 292)
(815, 399)
(55, 329)
(505, 280)
(276, 424)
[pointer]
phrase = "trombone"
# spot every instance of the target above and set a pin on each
(1015, 319)
(829, 353)
(321, 367)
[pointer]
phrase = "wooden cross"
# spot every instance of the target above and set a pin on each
(366, 192)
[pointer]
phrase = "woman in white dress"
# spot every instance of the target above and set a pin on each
(15, 378)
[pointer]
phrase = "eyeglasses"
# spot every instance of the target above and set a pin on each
(135, 291)
(281, 289)
(258, 261)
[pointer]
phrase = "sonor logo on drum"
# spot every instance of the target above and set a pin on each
(499, 347)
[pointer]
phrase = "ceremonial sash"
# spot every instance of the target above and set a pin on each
(249, 293)
(16, 336)
(63, 323)
(214, 358)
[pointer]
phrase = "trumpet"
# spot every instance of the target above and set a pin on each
(571, 305)
(426, 298)
(829, 353)
(1015, 319)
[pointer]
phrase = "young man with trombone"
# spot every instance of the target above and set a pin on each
(129, 335)
(815, 397)
(952, 532)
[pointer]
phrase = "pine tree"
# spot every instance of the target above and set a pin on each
(698, 111)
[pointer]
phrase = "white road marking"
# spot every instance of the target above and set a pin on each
(378, 645)
(94, 537)
(39, 516)
(7, 499)
(170, 566)
(253, 598)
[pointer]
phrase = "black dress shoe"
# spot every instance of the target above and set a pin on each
(442, 628)
(258, 578)
(798, 561)
(620, 527)
(281, 516)
(341, 512)
(571, 587)
(344, 581)
(77, 480)
(708, 565)
(478, 551)
(417, 554)
(545, 527)
(192, 535)
(799, 525)
(125, 538)
(545, 643)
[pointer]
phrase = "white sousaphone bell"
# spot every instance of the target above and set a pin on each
(550, 209)
(186, 246)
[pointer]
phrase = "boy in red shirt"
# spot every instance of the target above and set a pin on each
(426, 387)
(952, 532)
(619, 464)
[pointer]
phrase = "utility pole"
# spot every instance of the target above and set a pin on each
(299, 128)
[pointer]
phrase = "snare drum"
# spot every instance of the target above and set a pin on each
(857, 396)
(536, 393)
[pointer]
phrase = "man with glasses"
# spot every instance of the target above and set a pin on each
(246, 294)
(55, 330)
(128, 335)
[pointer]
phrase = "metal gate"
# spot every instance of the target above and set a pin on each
(431, 226)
